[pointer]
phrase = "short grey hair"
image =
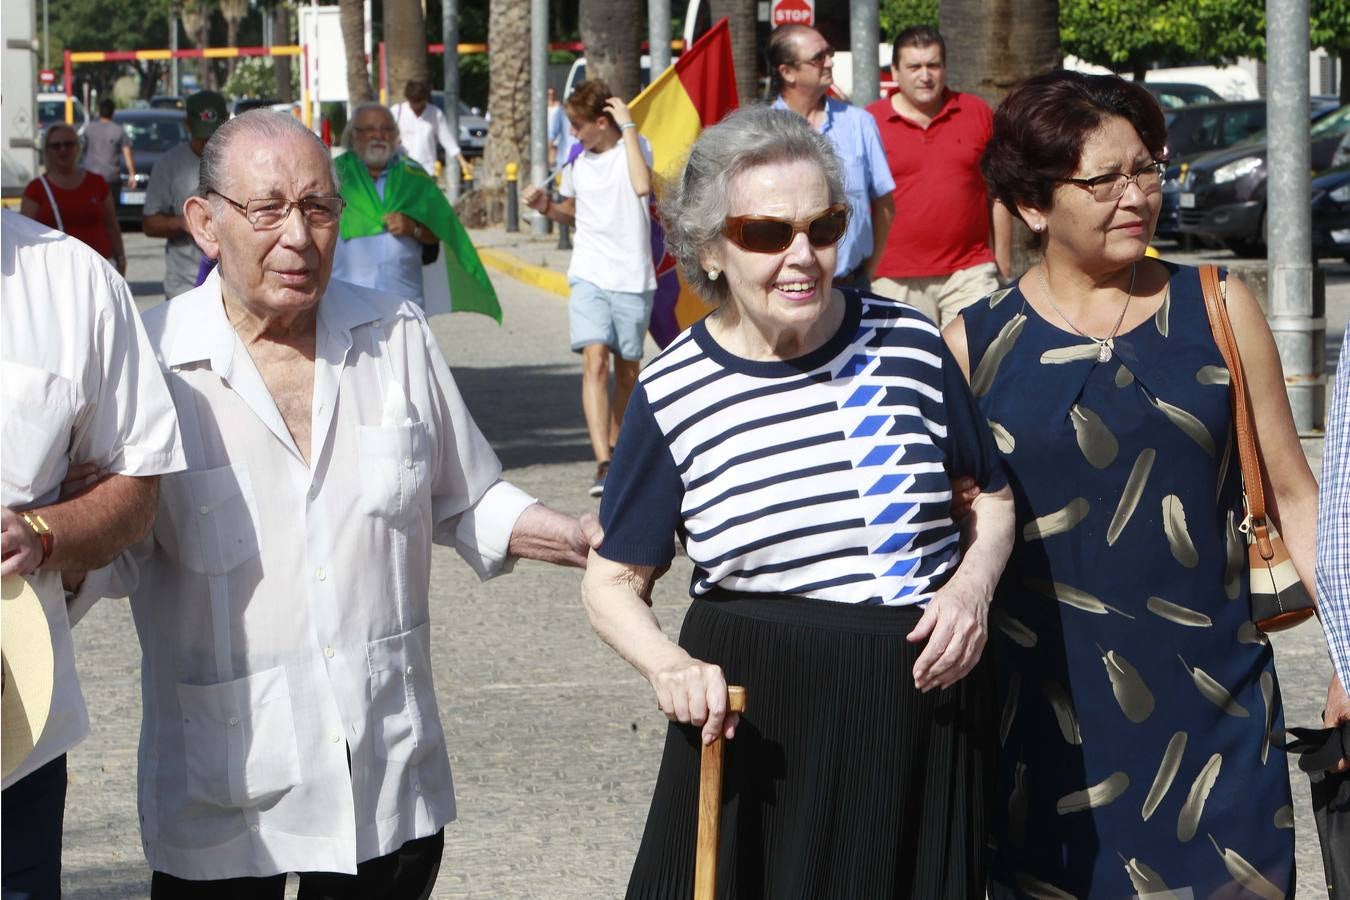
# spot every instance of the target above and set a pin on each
(262, 125)
(695, 205)
(349, 132)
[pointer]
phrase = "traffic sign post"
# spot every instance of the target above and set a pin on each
(792, 12)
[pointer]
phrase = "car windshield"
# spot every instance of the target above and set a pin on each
(1336, 123)
(155, 135)
(50, 111)
(1325, 122)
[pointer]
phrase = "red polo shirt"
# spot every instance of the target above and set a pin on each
(941, 203)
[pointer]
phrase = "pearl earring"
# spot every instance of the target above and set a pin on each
(713, 274)
(1039, 228)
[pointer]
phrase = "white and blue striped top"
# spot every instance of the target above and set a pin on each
(826, 476)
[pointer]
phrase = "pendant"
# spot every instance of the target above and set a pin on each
(1104, 352)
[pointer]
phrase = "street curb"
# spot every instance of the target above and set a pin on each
(545, 279)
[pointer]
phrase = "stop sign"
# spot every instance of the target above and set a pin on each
(793, 12)
(47, 76)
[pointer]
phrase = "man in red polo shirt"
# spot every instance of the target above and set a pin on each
(938, 255)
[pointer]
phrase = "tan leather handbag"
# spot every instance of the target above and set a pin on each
(1279, 599)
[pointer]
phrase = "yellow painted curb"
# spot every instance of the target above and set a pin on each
(538, 276)
(11, 202)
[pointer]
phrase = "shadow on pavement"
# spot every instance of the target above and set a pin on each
(530, 414)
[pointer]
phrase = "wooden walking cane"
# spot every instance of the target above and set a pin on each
(710, 806)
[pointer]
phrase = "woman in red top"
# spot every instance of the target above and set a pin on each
(74, 201)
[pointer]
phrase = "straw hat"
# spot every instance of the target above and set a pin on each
(26, 649)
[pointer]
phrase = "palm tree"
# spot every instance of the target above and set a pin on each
(508, 138)
(234, 12)
(610, 31)
(281, 35)
(197, 23)
(353, 16)
(405, 41)
(745, 54)
(993, 44)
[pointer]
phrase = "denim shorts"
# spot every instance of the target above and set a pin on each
(613, 318)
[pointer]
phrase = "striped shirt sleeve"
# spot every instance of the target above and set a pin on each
(640, 509)
(1333, 528)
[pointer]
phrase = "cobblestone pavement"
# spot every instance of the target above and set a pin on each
(554, 740)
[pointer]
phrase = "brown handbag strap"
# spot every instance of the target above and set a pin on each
(1243, 424)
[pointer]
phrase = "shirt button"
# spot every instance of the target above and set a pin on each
(409, 670)
(253, 828)
(204, 509)
(407, 462)
(329, 652)
(417, 788)
(321, 574)
(335, 737)
(233, 720)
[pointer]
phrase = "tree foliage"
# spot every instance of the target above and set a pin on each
(1131, 35)
(897, 15)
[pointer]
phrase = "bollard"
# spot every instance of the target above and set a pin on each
(564, 230)
(465, 179)
(512, 199)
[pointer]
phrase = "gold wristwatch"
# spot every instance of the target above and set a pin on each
(43, 531)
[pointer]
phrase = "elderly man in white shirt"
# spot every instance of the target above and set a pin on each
(79, 391)
(290, 721)
(421, 125)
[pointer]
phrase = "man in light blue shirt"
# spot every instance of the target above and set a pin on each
(802, 70)
(390, 261)
(1333, 546)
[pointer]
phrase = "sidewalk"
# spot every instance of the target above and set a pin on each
(536, 261)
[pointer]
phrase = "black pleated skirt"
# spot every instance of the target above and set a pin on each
(843, 780)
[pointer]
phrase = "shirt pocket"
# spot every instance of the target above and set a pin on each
(239, 740)
(213, 525)
(394, 470)
(405, 723)
(37, 414)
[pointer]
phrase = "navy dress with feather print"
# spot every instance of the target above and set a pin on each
(1136, 696)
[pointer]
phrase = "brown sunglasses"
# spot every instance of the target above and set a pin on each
(769, 234)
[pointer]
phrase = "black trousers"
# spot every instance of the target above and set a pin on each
(408, 873)
(33, 811)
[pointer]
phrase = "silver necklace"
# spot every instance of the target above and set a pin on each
(1104, 345)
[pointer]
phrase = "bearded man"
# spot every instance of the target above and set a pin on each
(396, 219)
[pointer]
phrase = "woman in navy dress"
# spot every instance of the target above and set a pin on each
(1136, 696)
(800, 442)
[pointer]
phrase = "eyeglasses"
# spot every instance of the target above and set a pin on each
(1105, 188)
(819, 59)
(376, 129)
(268, 213)
(767, 234)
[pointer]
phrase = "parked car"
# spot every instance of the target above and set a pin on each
(1331, 213)
(1223, 193)
(153, 133)
(1174, 94)
(51, 109)
(473, 128)
(1192, 130)
(240, 105)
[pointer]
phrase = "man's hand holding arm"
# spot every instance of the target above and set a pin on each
(550, 536)
(88, 530)
(401, 225)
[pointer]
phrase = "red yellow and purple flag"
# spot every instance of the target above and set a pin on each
(696, 92)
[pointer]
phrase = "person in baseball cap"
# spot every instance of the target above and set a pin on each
(206, 111)
(172, 181)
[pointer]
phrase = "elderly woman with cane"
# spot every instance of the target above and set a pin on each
(799, 441)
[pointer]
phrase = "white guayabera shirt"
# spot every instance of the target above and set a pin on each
(282, 607)
(78, 384)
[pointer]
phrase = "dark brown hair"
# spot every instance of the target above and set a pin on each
(1041, 126)
(918, 37)
(782, 51)
(588, 102)
(415, 91)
